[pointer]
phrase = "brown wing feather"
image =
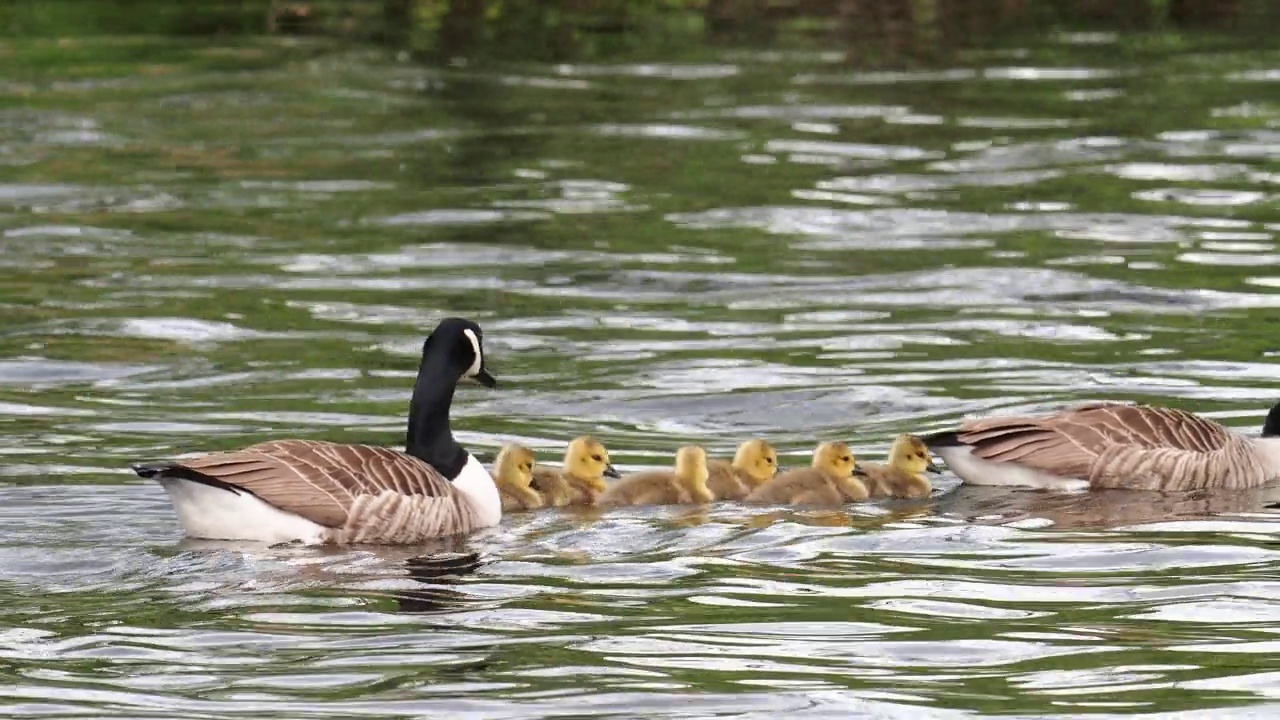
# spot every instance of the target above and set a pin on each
(1072, 442)
(322, 481)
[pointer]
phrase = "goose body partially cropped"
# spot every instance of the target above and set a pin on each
(330, 493)
(1111, 445)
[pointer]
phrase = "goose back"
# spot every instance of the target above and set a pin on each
(1115, 445)
(358, 493)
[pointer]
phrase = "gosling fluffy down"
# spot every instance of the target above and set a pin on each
(828, 480)
(903, 475)
(512, 473)
(686, 484)
(581, 480)
(755, 463)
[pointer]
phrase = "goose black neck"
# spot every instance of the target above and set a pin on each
(1271, 428)
(430, 438)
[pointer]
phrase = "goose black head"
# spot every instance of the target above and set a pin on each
(1271, 428)
(459, 343)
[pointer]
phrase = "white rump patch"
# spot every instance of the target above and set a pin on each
(210, 513)
(477, 485)
(474, 370)
(977, 471)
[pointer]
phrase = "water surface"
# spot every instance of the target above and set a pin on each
(207, 243)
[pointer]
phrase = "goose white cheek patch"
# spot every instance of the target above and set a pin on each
(475, 350)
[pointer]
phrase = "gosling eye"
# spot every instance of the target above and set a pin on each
(768, 461)
(845, 458)
(597, 458)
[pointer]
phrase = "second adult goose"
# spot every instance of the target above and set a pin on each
(322, 492)
(1111, 445)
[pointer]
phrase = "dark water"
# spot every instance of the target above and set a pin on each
(207, 243)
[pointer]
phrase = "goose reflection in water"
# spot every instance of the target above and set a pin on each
(1099, 509)
(434, 570)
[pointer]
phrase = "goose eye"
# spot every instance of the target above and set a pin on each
(597, 458)
(845, 458)
(768, 461)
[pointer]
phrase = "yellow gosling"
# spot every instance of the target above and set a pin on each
(686, 484)
(754, 464)
(903, 475)
(828, 480)
(581, 480)
(512, 473)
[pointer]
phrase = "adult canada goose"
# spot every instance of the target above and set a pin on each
(322, 492)
(686, 484)
(1110, 445)
(754, 463)
(512, 473)
(828, 480)
(903, 474)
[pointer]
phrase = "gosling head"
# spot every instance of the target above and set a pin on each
(834, 458)
(691, 466)
(691, 472)
(758, 459)
(514, 465)
(909, 454)
(588, 460)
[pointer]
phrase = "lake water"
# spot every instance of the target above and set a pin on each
(208, 243)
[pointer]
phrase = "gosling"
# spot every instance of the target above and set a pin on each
(903, 475)
(512, 473)
(828, 480)
(754, 464)
(581, 480)
(684, 485)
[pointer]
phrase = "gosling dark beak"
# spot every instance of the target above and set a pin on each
(484, 378)
(932, 468)
(611, 472)
(858, 471)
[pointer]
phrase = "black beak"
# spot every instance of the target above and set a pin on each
(611, 472)
(932, 468)
(484, 378)
(857, 470)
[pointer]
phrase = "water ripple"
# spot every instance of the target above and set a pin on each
(209, 244)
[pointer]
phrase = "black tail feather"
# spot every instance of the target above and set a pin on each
(946, 438)
(159, 470)
(151, 470)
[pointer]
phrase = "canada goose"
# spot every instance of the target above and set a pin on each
(1110, 445)
(686, 484)
(828, 480)
(903, 474)
(754, 463)
(581, 480)
(512, 472)
(322, 492)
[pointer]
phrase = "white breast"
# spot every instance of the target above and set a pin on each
(211, 513)
(977, 471)
(476, 484)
